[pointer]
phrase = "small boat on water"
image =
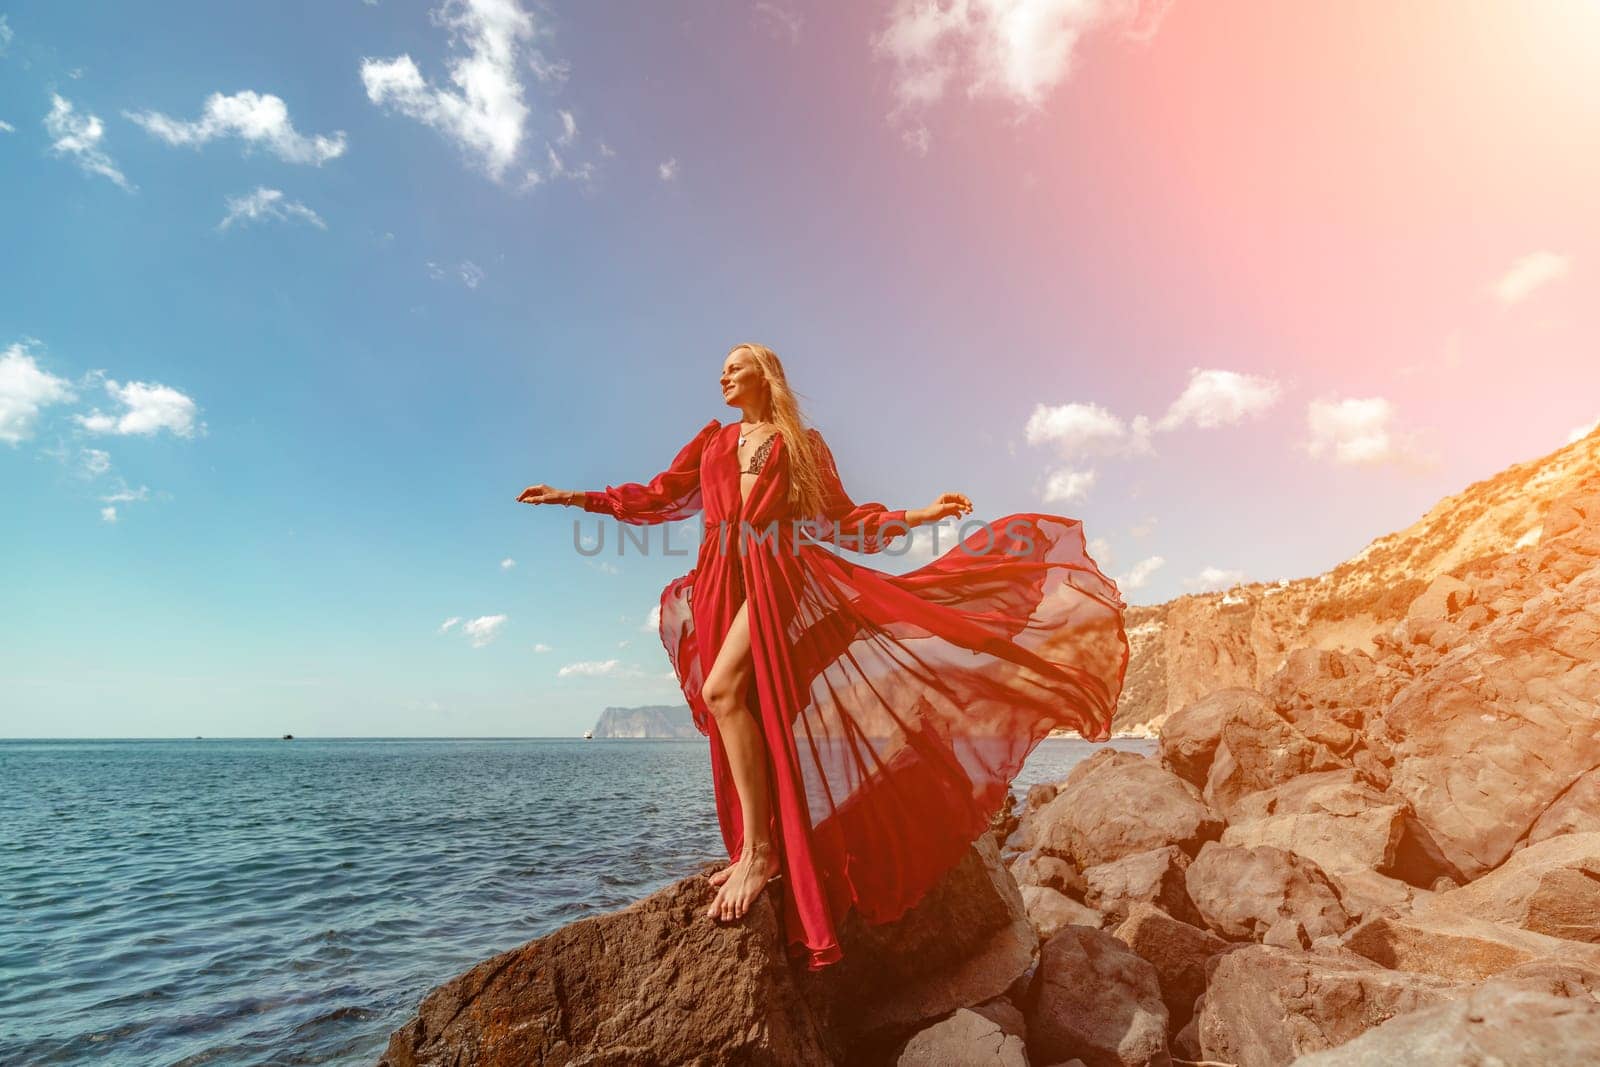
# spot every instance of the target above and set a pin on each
(588, 735)
(288, 737)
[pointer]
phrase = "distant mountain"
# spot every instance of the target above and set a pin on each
(1193, 645)
(650, 721)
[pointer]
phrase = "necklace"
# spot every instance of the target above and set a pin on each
(745, 436)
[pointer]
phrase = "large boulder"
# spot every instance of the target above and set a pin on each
(1094, 999)
(1261, 747)
(1249, 894)
(1502, 725)
(1552, 888)
(1462, 948)
(1498, 1024)
(965, 1037)
(1052, 872)
(1051, 912)
(1152, 877)
(1117, 803)
(659, 982)
(1265, 1006)
(1333, 817)
(1179, 952)
(1189, 736)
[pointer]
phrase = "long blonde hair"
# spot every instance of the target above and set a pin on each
(783, 411)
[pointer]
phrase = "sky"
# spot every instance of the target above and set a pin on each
(297, 297)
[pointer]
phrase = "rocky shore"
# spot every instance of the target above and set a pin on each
(1380, 855)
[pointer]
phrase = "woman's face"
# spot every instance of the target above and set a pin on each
(742, 385)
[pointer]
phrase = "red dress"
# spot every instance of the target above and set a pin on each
(896, 709)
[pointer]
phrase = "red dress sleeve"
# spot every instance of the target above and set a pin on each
(671, 495)
(859, 527)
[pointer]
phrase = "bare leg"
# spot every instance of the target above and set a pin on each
(724, 692)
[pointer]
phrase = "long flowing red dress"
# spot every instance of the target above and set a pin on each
(896, 709)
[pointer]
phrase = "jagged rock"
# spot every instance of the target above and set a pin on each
(1265, 1006)
(1153, 877)
(1116, 803)
(1444, 597)
(602, 987)
(1178, 951)
(1459, 947)
(659, 982)
(1500, 1025)
(1261, 748)
(1550, 888)
(1331, 817)
(1052, 872)
(965, 1037)
(1364, 893)
(1486, 740)
(1241, 893)
(1004, 1013)
(1092, 997)
(1575, 811)
(1189, 737)
(1327, 695)
(1051, 912)
(1558, 978)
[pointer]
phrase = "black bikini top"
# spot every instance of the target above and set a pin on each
(758, 458)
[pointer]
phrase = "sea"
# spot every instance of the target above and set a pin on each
(291, 902)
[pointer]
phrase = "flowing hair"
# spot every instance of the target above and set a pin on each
(805, 464)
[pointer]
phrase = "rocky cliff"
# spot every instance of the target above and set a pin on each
(1187, 647)
(650, 721)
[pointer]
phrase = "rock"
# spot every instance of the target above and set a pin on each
(1552, 888)
(601, 988)
(1178, 952)
(1489, 737)
(1327, 695)
(1050, 912)
(1152, 877)
(1331, 817)
(1558, 978)
(1053, 872)
(1260, 749)
(1003, 1012)
(1363, 893)
(1094, 998)
(1189, 737)
(1444, 597)
(1265, 1006)
(1504, 1026)
(967, 941)
(1241, 893)
(965, 1037)
(1116, 803)
(1575, 811)
(1459, 947)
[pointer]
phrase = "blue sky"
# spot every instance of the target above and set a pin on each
(288, 317)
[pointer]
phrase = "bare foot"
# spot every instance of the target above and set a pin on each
(718, 877)
(746, 879)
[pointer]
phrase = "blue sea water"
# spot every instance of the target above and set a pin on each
(271, 902)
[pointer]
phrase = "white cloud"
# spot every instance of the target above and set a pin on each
(918, 139)
(1580, 432)
(267, 203)
(26, 390)
(559, 168)
(5, 35)
(1100, 549)
(95, 461)
(108, 514)
(1065, 485)
(589, 668)
(1086, 430)
(466, 272)
(449, 624)
(148, 408)
(507, 563)
(484, 113)
(255, 118)
(569, 127)
(79, 136)
(541, 647)
(778, 20)
(1138, 575)
(551, 71)
(1014, 50)
(6, 127)
(1532, 271)
(483, 629)
(1219, 397)
(1352, 430)
(1213, 579)
(127, 496)
(668, 170)
(652, 621)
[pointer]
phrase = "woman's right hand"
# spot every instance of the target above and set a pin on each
(543, 494)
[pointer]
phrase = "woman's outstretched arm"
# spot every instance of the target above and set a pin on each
(673, 494)
(871, 526)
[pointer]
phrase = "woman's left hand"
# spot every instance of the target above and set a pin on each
(944, 506)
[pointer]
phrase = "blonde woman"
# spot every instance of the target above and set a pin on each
(864, 727)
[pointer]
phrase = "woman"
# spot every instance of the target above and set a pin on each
(864, 727)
